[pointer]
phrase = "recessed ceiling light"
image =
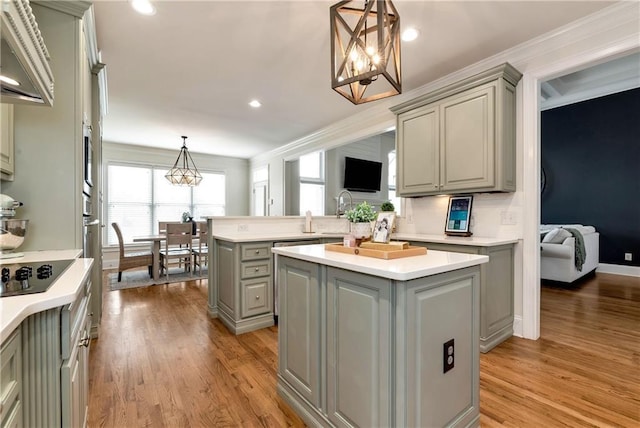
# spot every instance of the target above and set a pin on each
(143, 7)
(410, 34)
(9, 80)
(255, 103)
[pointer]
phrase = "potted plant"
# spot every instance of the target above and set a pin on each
(387, 206)
(360, 218)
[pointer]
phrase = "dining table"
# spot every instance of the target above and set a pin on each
(156, 241)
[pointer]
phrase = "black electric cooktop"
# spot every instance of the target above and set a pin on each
(30, 278)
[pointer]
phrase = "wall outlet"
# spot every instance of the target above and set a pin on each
(508, 218)
(243, 228)
(448, 355)
(628, 257)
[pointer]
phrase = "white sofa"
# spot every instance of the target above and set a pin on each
(557, 257)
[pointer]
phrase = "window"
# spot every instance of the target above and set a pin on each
(312, 183)
(140, 196)
(392, 181)
(260, 184)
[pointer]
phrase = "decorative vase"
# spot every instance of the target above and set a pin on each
(361, 230)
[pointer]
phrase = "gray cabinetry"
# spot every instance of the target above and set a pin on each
(243, 277)
(496, 290)
(299, 331)
(358, 320)
(361, 350)
(459, 139)
(11, 382)
(76, 328)
(7, 159)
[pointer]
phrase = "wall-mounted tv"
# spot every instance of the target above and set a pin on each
(362, 175)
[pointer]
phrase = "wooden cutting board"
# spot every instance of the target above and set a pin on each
(380, 254)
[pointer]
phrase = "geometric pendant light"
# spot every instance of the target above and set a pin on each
(184, 172)
(365, 45)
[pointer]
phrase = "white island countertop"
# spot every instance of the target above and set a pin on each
(15, 309)
(402, 269)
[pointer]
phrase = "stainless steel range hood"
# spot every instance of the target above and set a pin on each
(24, 56)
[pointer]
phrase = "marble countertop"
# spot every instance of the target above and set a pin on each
(274, 236)
(14, 309)
(402, 269)
(292, 236)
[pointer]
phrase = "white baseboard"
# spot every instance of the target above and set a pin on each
(517, 326)
(619, 269)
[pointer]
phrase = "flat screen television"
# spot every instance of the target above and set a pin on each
(362, 175)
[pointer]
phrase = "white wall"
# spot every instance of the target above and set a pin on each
(236, 170)
(615, 31)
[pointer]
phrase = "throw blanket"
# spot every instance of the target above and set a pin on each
(581, 252)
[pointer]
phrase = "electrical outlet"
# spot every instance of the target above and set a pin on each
(628, 257)
(448, 355)
(508, 218)
(243, 228)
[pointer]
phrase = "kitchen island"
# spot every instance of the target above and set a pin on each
(372, 342)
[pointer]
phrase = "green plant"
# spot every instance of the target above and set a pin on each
(361, 213)
(387, 206)
(186, 216)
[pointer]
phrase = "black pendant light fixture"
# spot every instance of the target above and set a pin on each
(365, 45)
(184, 171)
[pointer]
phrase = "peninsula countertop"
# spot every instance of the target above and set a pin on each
(295, 236)
(402, 269)
(15, 309)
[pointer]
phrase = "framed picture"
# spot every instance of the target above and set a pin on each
(383, 227)
(459, 216)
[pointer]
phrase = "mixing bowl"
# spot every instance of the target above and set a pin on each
(12, 233)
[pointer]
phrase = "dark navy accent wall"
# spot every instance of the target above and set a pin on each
(591, 159)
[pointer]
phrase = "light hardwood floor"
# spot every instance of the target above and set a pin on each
(161, 362)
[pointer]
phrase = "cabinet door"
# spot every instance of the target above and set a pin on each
(6, 141)
(358, 349)
(467, 125)
(418, 151)
(299, 327)
(432, 312)
(225, 278)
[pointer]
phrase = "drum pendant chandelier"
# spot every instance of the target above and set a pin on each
(184, 171)
(365, 44)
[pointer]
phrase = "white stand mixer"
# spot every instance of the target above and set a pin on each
(12, 231)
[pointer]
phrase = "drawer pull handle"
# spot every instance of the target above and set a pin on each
(257, 297)
(257, 251)
(257, 269)
(84, 341)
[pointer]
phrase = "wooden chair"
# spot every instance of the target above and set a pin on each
(201, 251)
(177, 247)
(131, 260)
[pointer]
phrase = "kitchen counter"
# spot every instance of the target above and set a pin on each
(14, 309)
(474, 241)
(402, 269)
(274, 236)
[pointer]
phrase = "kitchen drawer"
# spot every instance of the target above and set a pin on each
(255, 269)
(11, 381)
(255, 297)
(73, 318)
(255, 251)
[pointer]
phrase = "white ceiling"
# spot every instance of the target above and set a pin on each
(192, 68)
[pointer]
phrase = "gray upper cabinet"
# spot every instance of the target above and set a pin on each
(460, 138)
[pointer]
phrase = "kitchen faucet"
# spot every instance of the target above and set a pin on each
(340, 205)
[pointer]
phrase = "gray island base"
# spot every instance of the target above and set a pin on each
(370, 343)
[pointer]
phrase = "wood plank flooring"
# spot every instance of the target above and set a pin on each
(161, 361)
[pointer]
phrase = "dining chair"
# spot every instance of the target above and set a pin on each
(201, 251)
(177, 247)
(131, 260)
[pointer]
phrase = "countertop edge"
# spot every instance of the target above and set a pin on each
(15, 309)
